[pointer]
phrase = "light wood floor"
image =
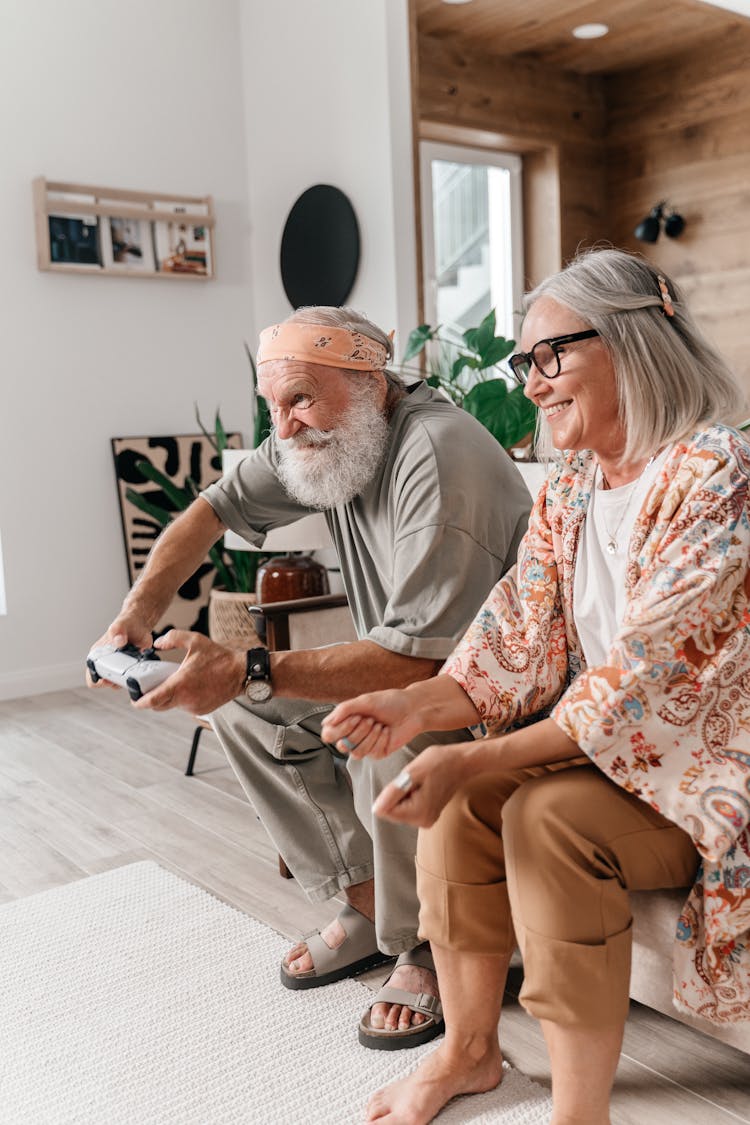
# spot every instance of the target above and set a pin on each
(87, 783)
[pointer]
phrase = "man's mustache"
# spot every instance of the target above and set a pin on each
(309, 437)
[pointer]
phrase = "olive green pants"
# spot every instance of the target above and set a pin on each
(545, 857)
(316, 806)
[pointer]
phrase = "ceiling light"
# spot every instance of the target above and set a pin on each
(590, 30)
(456, 1)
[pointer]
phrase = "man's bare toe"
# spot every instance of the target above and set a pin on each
(408, 1018)
(299, 959)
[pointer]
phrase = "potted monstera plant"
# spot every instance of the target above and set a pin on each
(467, 367)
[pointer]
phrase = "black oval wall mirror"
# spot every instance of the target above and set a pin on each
(320, 248)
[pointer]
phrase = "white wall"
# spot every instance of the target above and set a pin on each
(327, 100)
(149, 94)
(144, 94)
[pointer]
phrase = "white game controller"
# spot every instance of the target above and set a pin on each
(137, 670)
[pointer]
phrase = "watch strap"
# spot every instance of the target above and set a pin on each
(258, 664)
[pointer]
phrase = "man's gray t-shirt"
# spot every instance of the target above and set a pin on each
(428, 538)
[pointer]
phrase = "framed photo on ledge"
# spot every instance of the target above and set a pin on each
(127, 244)
(183, 246)
(74, 237)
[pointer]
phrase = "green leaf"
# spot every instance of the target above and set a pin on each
(161, 515)
(262, 420)
(508, 415)
(462, 362)
(262, 424)
(180, 497)
(221, 436)
(222, 573)
(470, 338)
(418, 337)
(486, 332)
(211, 437)
(497, 348)
(191, 488)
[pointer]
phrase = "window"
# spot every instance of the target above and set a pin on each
(472, 236)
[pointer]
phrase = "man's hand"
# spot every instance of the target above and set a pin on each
(372, 725)
(436, 774)
(127, 628)
(209, 676)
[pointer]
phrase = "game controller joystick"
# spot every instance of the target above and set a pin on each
(140, 671)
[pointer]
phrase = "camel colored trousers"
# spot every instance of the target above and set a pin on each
(545, 857)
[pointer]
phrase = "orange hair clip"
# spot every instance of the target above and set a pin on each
(666, 296)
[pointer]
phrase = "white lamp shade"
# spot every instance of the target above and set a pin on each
(307, 534)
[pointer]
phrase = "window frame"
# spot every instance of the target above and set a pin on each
(464, 154)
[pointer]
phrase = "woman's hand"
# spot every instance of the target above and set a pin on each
(436, 774)
(372, 725)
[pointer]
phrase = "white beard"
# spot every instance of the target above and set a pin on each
(324, 468)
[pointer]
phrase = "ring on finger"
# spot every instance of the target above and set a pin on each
(404, 781)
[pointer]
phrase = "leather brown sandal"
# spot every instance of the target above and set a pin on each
(357, 953)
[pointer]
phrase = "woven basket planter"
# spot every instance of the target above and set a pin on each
(229, 623)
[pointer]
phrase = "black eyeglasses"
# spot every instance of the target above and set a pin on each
(545, 356)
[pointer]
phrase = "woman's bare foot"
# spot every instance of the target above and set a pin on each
(451, 1070)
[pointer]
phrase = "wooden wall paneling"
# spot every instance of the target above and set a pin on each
(464, 87)
(680, 131)
(416, 167)
(700, 141)
(556, 120)
(720, 301)
(682, 92)
(638, 29)
(542, 232)
(585, 215)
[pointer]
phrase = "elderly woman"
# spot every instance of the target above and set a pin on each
(611, 669)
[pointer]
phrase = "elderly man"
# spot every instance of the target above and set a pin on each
(426, 512)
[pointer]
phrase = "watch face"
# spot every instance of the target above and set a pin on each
(258, 690)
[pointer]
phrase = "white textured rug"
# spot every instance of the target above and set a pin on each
(136, 998)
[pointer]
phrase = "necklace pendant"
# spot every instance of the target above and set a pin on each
(611, 547)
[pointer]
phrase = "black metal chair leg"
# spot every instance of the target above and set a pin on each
(194, 750)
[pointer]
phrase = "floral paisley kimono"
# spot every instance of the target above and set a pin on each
(668, 716)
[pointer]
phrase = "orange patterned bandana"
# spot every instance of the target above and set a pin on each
(317, 343)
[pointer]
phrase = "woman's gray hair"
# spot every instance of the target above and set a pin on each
(670, 379)
(334, 316)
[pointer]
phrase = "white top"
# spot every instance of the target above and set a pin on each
(599, 596)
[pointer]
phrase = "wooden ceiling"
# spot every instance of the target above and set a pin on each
(641, 31)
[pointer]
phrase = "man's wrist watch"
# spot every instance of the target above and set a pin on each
(258, 683)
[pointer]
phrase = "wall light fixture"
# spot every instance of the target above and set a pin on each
(662, 215)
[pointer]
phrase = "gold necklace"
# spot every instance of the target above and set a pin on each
(611, 545)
